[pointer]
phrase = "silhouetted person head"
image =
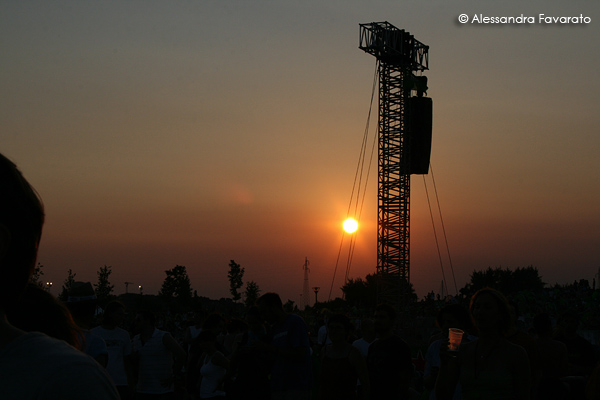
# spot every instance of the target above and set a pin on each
(21, 221)
(367, 329)
(252, 312)
(39, 311)
(568, 323)
(270, 307)
(206, 340)
(114, 314)
(271, 300)
(385, 317)
(542, 325)
(144, 320)
(454, 316)
(82, 302)
(214, 323)
(339, 328)
(490, 311)
(254, 319)
(325, 314)
(236, 326)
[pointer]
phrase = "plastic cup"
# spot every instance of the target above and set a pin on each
(455, 336)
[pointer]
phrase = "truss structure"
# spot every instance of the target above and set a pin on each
(398, 54)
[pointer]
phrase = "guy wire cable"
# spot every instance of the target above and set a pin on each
(359, 167)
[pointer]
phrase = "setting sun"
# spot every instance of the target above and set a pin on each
(350, 225)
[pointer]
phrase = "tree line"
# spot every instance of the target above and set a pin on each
(176, 290)
(361, 292)
(176, 293)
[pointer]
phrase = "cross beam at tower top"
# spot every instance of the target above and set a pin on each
(394, 46)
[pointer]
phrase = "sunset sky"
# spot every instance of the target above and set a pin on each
(164, 133)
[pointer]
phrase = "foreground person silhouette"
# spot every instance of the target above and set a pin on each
(342, 364)
(248, 375)
(33, 365)
(39, 311)
(119, 345)
(389, 360)
(159, 359)
(450, 316)
(83, 303)
(291, 375)
(489, 367)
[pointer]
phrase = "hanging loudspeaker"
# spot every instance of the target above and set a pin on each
(419, 133)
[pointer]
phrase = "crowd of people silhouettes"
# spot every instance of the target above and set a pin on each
(53, 350)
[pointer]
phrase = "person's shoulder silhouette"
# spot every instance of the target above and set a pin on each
(33, 365)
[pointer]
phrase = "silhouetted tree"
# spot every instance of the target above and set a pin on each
(527, 278)
(235, 275)
(64, 294)
(582, 284)
(176, 286)
(251, 294)
(504, 280)
(36, 276)
(407, 292)
(103, 288)
(361, 292)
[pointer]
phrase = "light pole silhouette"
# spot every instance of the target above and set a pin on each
(316, 290)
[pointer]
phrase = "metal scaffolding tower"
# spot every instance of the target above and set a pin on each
(398, 54)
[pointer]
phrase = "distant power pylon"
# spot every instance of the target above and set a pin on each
(305, 289)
